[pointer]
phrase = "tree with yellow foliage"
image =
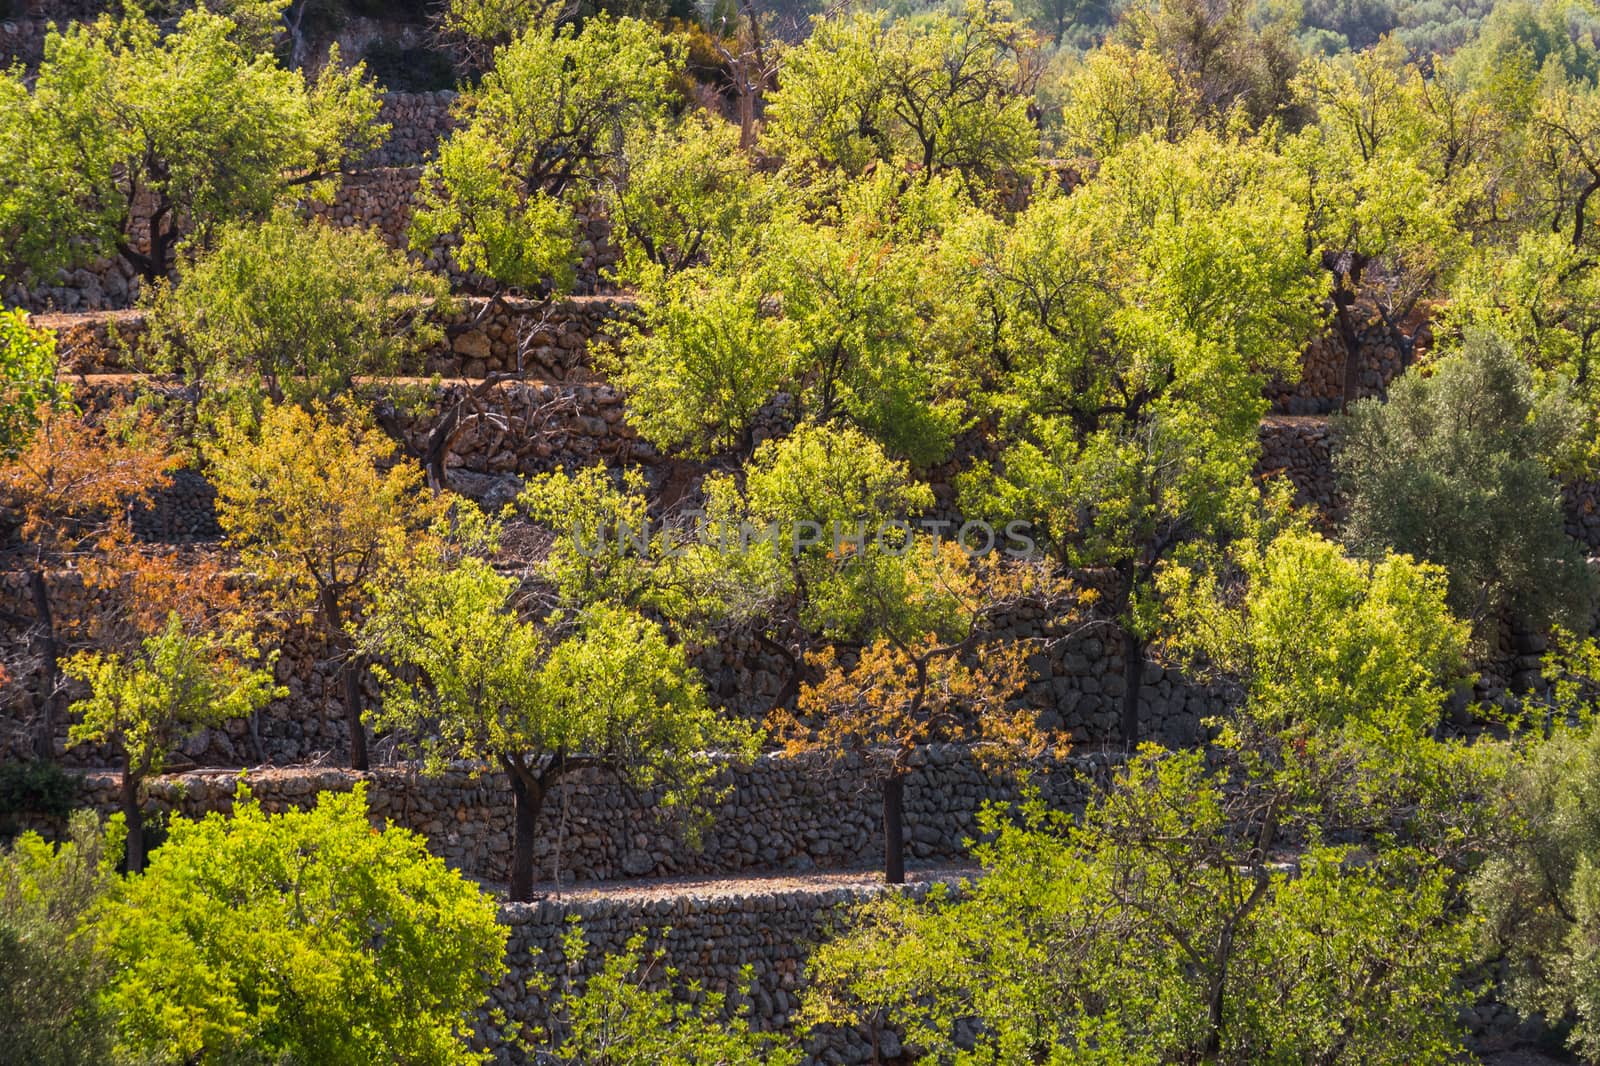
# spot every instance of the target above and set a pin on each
(314, 500)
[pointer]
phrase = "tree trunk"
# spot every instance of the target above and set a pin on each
(528, 793)
(1352, 349)
(350, 675)
(49, 653)
(133, 814)
(894, 828)
(1132, 686)
(351, 668)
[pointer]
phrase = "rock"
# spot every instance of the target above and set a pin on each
(473, 344)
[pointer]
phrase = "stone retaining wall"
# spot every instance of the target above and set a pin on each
(708, 938)
(417, 123)
(1320, 388)
(782, 814)
(548, 340)
(1076, 685)
(384, 198)
(380, 198)
(1301, 450)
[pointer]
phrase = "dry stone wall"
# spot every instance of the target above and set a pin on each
(384, 199)
(780, 814)
(545, 340)
(417, 123)
(1320, 388)
(708, 937)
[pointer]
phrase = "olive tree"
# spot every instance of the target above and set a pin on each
(1456, 469)
(51, 977)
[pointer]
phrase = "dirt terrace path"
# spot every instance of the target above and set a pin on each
(741, 886)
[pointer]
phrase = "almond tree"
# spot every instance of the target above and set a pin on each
(466, 676)
(315, 500)
(130, 139)
(73, 484)
(178, 683)
(1138, 320)
(543, 132)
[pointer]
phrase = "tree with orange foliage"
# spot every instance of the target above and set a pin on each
(894, 632)
(932, 670)
(71, 487)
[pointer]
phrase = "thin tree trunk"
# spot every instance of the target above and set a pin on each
(1352, 350)
(1132, 686)
(894, 828)
(351, 668)
(350, 675)
(528, 793)
(49, 653)
(133, 815)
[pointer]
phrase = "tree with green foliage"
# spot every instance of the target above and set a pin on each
(1392, 176)
(1236, 65)
(1340, 671)
(130, 140)
(1315, 640)
(1158, 929)
(316, 501)
(179, 683)
(51, 976)
(1535, 281)
(464, 676)
(636, 1012)
(70, 488)
(943, 93)
(1456, 469)
(1117, 95)
(857, 315)
(28, 366)
(1137, 321)
(542, 135)
(689, 196)
(888, 634)
(307, 936)
(295, 309)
